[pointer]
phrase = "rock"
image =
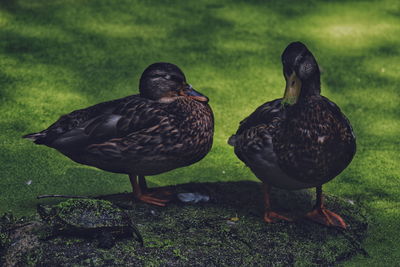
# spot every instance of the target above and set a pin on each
(193, 197)
(226, 230)
(89, 217)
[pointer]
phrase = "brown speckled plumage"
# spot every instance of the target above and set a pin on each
(146, 137)
(302, 140)
(167, 126)
(149, 137)
(319, 138)
(313, 140)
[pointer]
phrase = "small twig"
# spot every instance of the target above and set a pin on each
(112, 195)
(60, 196)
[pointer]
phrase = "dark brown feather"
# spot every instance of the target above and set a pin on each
(135, 135)
(313, 140)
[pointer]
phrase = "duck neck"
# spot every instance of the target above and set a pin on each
(310, 87)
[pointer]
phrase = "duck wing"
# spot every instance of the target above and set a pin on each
(263, 115)
(146, 128)
(97, 124)
(158, 138)
(254, 132)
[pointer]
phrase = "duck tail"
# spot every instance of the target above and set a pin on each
(232, 140)
(37, 138)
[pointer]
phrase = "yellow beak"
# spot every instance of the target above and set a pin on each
(292, 90)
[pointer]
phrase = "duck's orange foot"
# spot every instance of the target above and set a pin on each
(148, 198)
(160, 191)
(271, 216)
(326, 217)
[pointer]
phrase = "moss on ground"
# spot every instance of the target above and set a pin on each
(61, 55)
(226, 231)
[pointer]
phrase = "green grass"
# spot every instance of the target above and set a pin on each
(57, 56)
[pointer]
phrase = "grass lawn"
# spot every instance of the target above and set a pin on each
(57, 56)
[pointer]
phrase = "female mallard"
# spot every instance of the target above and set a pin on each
(299, 141)
(167, 126)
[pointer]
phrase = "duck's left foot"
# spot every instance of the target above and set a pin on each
(326, 217)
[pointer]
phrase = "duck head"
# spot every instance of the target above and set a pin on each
(165, 82)
(301, 73)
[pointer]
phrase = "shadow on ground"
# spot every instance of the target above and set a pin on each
(227, 230)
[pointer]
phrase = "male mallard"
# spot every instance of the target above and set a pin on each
(167, 126)
(299, 141)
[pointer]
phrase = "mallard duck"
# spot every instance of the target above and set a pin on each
(166, 126)
(299, 141)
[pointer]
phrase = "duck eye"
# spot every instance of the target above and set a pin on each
(293, 82)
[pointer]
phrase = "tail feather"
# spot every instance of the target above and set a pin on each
(36, 137)
(232, 140)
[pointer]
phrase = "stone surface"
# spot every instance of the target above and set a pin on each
(226, 230)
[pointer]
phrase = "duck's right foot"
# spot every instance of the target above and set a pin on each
(148, 198)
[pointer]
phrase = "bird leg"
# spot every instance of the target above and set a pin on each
(269, 215)
(145, 197)
(160, 191)
(324, 216)
(143, 183)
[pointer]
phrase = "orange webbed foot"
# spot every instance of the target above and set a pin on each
(160, 191)
(148, 198)
(142, 193)
(326, 217)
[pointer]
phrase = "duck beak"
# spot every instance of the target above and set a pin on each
(190, 92)
(292, 90)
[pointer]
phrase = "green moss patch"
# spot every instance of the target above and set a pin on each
(226, 230)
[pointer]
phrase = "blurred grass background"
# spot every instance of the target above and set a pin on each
(57, 56)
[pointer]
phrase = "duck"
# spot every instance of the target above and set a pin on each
(299, 141)
(167, 125)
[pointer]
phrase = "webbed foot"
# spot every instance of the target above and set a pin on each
(148, 198)
(326, 217)
(269, 215)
